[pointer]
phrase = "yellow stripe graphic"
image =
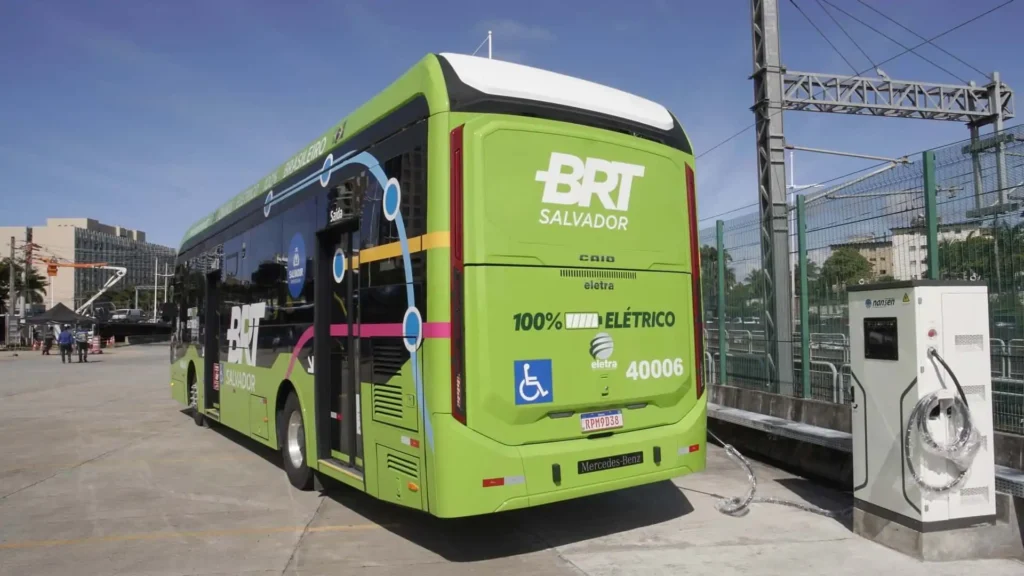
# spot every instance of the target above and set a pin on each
(394, 249)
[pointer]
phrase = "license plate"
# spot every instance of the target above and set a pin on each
(609, 463)
(595, 421)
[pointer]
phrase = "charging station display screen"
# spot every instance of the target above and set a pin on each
(880, 340)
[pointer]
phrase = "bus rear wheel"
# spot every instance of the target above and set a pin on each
(291, 435)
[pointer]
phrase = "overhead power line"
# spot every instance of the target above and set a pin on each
(953, 29)
(891, 39)
(886, 61)
(940, 48)
(841, 27)
(823, 35)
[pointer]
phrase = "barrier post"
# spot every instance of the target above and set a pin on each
(805, 309)
(723, 339)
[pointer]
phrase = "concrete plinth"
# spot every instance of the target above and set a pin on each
(1001, 539)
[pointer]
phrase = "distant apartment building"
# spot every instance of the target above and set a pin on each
(910, 246)
(878, 252)
(85, 240)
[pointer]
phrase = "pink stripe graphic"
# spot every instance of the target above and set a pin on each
(430, 330)
(306, 337)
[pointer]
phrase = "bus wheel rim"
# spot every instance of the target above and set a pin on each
(294, 436)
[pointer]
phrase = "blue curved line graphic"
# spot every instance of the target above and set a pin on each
(416, 376)
(337, 164)
(373, 165)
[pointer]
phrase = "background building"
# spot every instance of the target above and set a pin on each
(85, 240)
(910, 246)
(877, 252)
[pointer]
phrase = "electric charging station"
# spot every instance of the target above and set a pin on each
(921, 382)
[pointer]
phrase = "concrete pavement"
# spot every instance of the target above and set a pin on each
(101, 473)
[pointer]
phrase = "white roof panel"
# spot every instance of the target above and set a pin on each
(499, 78)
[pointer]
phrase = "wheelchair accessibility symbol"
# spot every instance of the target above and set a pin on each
(533, 382)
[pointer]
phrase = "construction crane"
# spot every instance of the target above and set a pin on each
(119, 273)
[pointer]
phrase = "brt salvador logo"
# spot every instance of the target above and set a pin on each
(244, 333)
(577, 187)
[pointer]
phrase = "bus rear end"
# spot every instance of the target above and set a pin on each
(575, 298)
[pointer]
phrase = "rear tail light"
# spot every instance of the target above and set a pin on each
(458, 348)
(698, 314)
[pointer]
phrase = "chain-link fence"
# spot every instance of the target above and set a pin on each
(956, 212)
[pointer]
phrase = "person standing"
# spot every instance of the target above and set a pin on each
(82, 341)
(64, 340)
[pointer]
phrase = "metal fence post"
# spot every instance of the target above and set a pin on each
(723, 340)
(931, 214)
(805, 308)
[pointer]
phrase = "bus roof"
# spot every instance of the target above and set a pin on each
(456, 82)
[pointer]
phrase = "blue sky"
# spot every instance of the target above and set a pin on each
(150, 114)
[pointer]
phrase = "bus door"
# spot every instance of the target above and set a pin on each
(336, 348)
(211, 345)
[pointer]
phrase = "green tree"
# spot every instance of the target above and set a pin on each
(845, 266)
(36, 284)
(813, 272)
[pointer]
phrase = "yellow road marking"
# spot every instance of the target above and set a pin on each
(150, 536)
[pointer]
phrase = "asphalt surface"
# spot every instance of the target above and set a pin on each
(102, 473)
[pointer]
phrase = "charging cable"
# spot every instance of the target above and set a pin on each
(741, 506)
(966, 440)
(960, 451)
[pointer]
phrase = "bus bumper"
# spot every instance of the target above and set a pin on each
(476, 475)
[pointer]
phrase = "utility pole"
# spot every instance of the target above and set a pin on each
(771, 188)
(10, 303)
(166, 276)
(156, 281)
(24, 285)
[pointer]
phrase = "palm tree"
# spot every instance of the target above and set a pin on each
(36, 284)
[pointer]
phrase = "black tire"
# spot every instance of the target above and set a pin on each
(299, 473)
(193, 392)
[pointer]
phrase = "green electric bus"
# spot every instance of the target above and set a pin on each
(478, 292)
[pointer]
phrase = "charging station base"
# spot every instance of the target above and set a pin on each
(986, 539)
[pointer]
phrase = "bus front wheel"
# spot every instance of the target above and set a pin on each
(291, 435)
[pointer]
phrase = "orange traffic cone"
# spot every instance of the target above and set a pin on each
(94, 347)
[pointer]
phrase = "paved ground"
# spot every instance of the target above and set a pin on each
(100, 473)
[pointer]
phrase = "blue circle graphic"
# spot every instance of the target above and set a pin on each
(338, 265)
(867, 303)
(392, 199)
(296, 265)
(412, 329)
(325, 177)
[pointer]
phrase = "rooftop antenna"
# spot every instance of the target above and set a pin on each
(489, 42)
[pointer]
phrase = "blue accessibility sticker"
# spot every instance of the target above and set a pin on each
(533, 382)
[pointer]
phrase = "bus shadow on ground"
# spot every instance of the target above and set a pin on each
(505, 534)
(519, 532)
